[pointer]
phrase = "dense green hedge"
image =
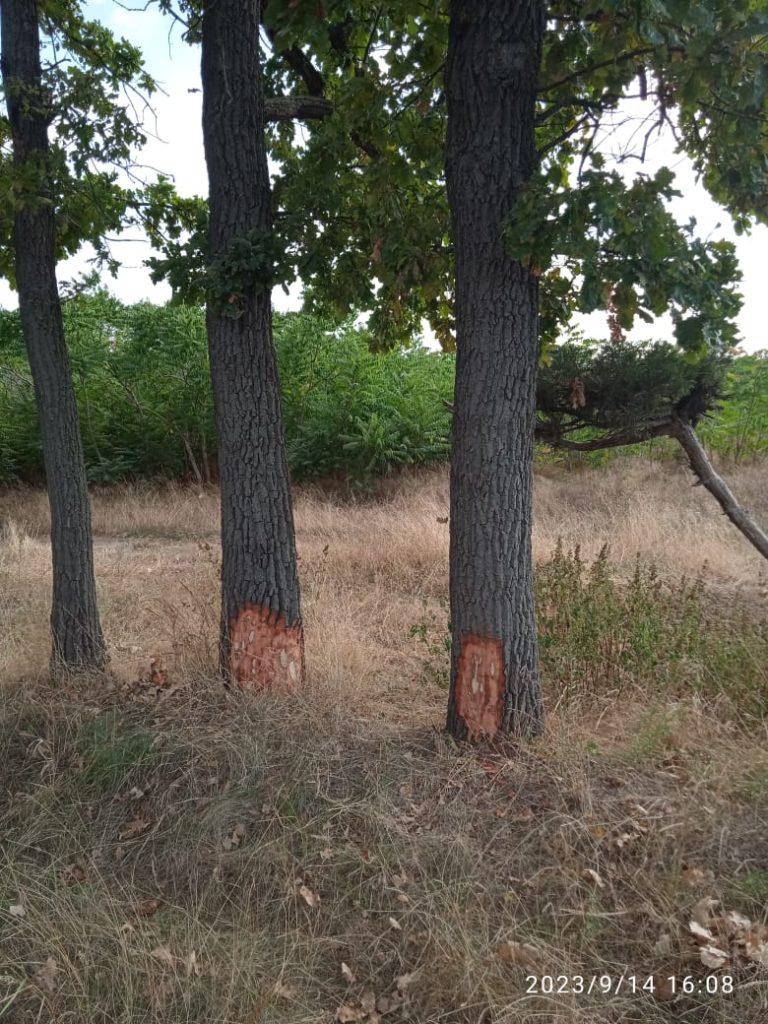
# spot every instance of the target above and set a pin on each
(141, 374)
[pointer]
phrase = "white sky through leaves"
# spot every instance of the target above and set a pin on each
(177, 150)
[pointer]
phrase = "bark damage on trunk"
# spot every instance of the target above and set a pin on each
(78, 643)
(261, 641)
(264, 647)
(480, 685)
(494, 52)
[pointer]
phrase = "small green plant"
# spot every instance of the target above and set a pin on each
(601, 632)
(435, 638)
(752, 885)
(655, 732)
(112, 752)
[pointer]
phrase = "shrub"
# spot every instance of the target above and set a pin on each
(141, 377)
(600, 633)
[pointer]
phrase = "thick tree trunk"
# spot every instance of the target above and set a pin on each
(77, 638)
(494, 53)
(261, 631)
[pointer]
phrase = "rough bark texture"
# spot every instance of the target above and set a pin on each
(77, 638)
(494, 52)
(297, 108)
(261, 631)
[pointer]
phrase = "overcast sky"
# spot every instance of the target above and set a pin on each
(178, 151)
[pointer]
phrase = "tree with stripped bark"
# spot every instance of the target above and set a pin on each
(541, 206)
(494, 54)
(262, 640)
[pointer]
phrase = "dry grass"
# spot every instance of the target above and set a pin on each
(376, 562)
(426, 859)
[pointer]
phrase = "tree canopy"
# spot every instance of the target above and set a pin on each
(97, 95)
(361, 212)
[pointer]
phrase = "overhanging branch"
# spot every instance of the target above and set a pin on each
(681, 431)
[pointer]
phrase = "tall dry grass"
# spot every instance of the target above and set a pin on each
(371, 567)
(189, 854)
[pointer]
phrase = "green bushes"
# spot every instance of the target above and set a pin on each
(141, 376)
(347, 409)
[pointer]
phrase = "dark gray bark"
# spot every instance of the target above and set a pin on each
(261, 629)
(77, 638)
(494, 52)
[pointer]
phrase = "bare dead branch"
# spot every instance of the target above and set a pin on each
(717, 487)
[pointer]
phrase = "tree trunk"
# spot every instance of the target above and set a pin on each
(77, 638)
(494, 53)
(262, 641)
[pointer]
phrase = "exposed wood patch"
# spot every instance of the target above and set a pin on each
(480, 685)
(265, 653)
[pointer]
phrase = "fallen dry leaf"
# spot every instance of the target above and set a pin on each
(404, 981)
(386, 1004)
(347, 1013)
(283, 991)
(72, 874)
(394, 923)
(164, 955)
(16, 910)
(346, 973)
(737, 920)
(699, 932)
(756, 945)
(663, 989)
(312, 899)
(147, 908)
(133, 828)
(233, 841)
(45, 976)
(193, 968)
(368, 1002)
(592, 876)
(696, 876)
(713, 957)
(521, 954)
(702, 911)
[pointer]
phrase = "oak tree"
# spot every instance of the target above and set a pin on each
(64, 128)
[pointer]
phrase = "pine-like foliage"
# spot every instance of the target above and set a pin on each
(624, 391)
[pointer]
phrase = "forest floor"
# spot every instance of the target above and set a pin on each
(181, 853)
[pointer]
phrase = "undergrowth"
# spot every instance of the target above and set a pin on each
(603, 633)
(191, 855)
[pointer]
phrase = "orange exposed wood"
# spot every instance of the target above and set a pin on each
(480, 685)
(265, 653)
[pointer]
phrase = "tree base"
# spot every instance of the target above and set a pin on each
(265, 652)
